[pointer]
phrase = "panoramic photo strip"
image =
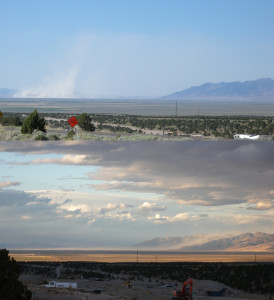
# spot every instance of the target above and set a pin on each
(137, 150)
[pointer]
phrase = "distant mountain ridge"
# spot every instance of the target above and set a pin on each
(7, 92)
(244, 242)
(260, 90)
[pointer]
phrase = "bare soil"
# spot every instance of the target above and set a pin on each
(141, 289)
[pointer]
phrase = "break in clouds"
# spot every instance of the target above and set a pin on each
(120, 194)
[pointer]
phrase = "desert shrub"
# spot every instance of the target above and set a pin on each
(70, 135)
(53, 137)
(41, 138)
(38, 135)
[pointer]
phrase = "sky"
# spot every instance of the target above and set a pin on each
(138, 48)
(117, 195)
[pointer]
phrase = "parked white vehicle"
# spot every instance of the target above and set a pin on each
(56, 284)
(246, 136)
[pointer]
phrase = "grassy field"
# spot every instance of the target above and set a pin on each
(13, 133)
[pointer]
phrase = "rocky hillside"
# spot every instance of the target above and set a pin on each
(256, 90)
(243, 242)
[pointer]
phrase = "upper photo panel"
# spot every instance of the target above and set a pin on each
(138, 70)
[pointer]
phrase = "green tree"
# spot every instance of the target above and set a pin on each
(33, 121)
(11, 288)
(84, 121)
(70, 135)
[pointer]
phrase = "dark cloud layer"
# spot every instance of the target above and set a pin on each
(200, 173)
(162, 184)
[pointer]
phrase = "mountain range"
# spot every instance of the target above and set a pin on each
(8, 93)
(256, 90)
(244, 242)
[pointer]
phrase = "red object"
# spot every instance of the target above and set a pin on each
(184, 294)
(72, 121)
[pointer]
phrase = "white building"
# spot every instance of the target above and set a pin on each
(56, 284)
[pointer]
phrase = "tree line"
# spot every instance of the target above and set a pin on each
(35, 121)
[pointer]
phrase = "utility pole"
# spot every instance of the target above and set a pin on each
(176, 110)
(137, 257)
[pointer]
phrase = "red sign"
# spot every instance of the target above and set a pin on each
(72, 121)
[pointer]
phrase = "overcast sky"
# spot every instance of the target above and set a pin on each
(115, 195)
(144, 48)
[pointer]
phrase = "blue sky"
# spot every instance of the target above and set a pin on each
(139, 48)
(117, 195)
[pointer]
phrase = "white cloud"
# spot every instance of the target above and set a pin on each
(245, 219)
(264, 204)
(109, 207)
(177, 218)
(124, 216)
(148, 207)
(261, 201)
(8, 183)
(75, 207)
(65, 160)
(26, 217)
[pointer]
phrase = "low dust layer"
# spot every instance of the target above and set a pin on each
(131, 257)
(141, 289)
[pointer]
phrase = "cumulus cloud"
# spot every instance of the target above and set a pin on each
(150, 207)
(177, 218)
(67, 159)
(110, 207)
(75, 207)
(262, 201)
(124, 216)
(8, 183)
(265, 204)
